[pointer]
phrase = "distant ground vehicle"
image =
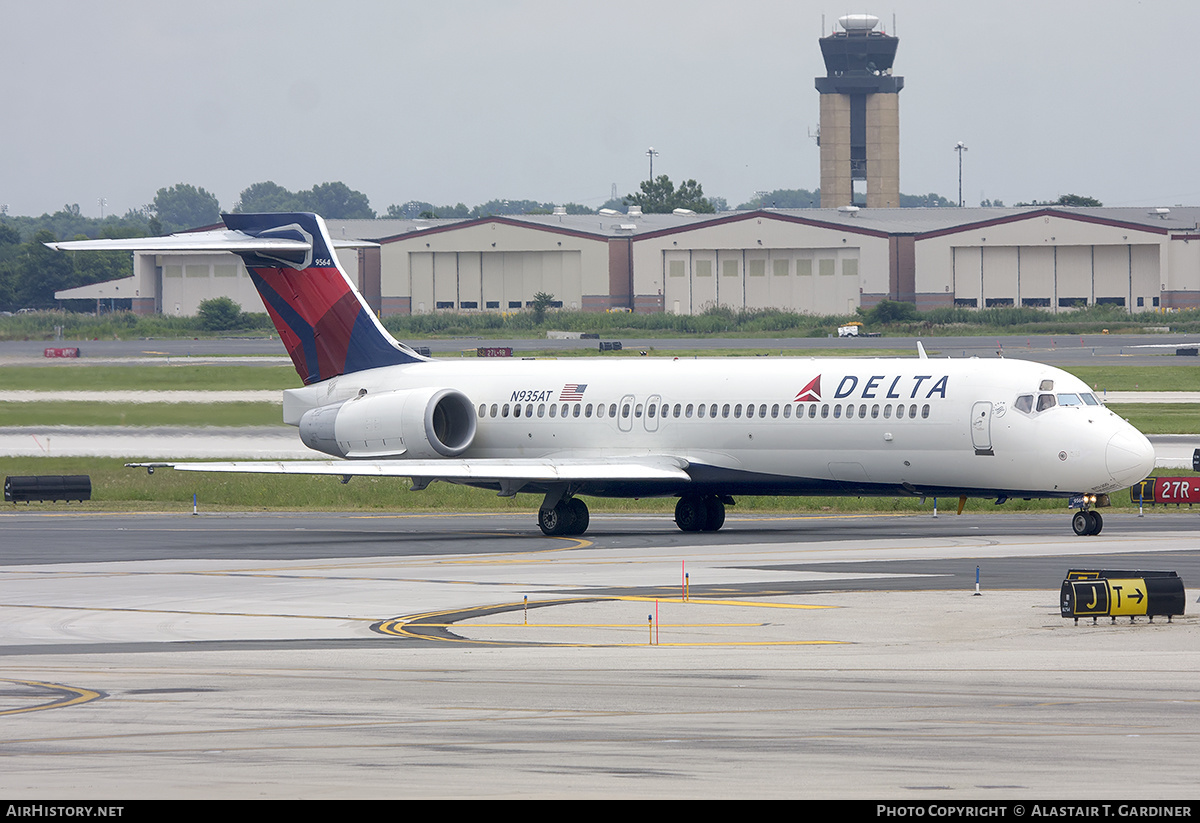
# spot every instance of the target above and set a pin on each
(854, 329)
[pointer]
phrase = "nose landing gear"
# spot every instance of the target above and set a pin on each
(1087, 522)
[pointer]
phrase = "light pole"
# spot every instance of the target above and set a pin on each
(960, 147)
(651, 153)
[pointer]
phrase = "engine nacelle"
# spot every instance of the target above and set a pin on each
(412, 423)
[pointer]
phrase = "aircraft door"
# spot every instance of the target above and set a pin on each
(981, 427)
(650, 418)
(625, 413)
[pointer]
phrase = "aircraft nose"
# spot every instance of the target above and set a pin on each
(1129, 457)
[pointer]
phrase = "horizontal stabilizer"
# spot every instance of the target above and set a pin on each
(221, 240)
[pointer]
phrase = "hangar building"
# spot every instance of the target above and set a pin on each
(817, 261)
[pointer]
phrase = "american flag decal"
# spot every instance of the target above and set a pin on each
(573, 391)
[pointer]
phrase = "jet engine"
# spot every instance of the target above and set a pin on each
(411, 423)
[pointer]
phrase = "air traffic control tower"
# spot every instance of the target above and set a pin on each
(860, 116)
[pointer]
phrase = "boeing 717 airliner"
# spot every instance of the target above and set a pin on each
(699, 430)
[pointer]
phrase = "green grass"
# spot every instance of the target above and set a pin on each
(1160, 418)
(66, 413)
(116, 488)
(83, 376)
(1170, 376)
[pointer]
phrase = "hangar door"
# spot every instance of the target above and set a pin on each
(1057, 277)
(815, 281)
(493, 281)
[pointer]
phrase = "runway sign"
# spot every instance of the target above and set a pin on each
(1113, 593)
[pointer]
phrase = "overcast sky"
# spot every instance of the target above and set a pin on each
(557, 100)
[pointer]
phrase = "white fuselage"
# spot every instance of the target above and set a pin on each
(819, 425)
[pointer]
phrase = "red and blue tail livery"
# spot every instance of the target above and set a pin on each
(324, 323)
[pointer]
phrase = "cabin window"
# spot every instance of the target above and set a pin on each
(712, 410)
(700, 411)
(1045, 401)
(887, 411)
(774, 410)
(679, 410)
(516, 410)
(749, 411)
(762, 410)
(564, 410)
(576, 410)
(494, 409)
(504, 410)
(912, 410)
(737, 411)
(725, 410)
(825, 410)
(837, 411)
(862, 410)
(541, 409)
(850, 411)
(637, 411)
(483, 411)
(625, 411)
(612, 410)
(688, 411)
(587, 410)
(1024, 403)
(812, 411)
(553, 410)
(600, 410)
(529, 410)
(787, 410)
(650, 410)
(666, 409)
(899, 411)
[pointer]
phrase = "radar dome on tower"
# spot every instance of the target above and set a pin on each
(858, 22)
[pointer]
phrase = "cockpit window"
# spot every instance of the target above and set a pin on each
(1047, 385)
(1024, 403)
(1045, 401)
(1069, 400)
(1090, 399)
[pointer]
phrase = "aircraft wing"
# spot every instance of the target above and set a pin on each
(527, 470)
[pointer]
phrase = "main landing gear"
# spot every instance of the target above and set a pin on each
(566, 518)
(1087, 522)
(700, 513)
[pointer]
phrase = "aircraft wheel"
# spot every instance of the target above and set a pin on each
(1097, 522)
(579, 514)
(691, 513)
(714, 511)
(1081, 523)
(556, 521)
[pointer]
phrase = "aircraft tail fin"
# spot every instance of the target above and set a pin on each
(323, 321)
(325, 324)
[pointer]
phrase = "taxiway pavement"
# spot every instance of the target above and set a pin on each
(343, 655)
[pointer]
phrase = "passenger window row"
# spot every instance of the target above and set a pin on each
(710, 411)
